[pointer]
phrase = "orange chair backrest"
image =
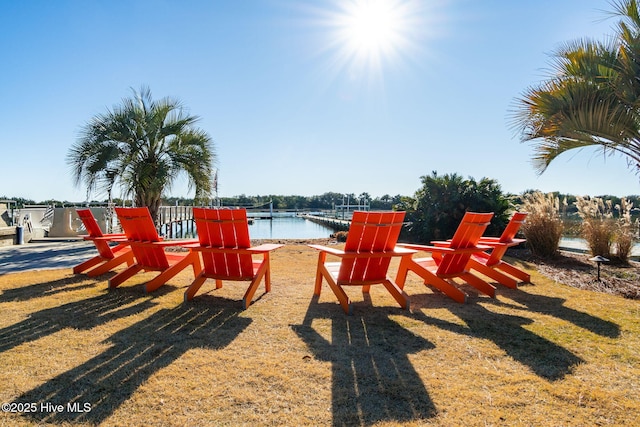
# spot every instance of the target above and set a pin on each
(139, 228)
(93, 229)
(507, 236)
(512, 228)
(224, 229)
(370, 233)
(469, 232)
(90, 223)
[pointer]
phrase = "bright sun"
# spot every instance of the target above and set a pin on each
(373, 28)
(372, 33)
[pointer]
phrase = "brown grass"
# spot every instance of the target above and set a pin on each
(545, 354)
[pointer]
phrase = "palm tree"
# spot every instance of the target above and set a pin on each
(142, 146)
(592, 98)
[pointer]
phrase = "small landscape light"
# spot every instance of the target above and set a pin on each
(599, 259)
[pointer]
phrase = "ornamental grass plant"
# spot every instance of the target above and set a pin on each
(543, 354)
(606, 227)
(626, 231)
(598, 226)
(543, 227)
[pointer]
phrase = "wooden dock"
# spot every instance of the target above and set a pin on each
(176, 221)
(333, 223)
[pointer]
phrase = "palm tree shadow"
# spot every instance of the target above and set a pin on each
(372, 377)
(109, 379)
(84, 314)
(555, 307)
(545, 358)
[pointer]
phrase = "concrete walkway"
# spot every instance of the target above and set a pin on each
(45, 255)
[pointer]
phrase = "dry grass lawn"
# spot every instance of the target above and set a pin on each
(543, 355)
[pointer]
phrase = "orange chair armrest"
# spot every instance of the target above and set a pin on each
(163, 243)
(115, 235)
(497, 242)
(108, 239)
(332, 251)
(265, 247)
(397, 251)
(445, 249)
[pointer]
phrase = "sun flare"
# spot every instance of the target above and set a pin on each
(371, 33)
(373, 26)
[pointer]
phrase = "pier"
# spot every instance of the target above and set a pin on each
(333, 223)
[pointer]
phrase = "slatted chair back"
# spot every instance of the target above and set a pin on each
(93, 230)
(224, 229)
(371, 234)
(139, 229)
(507, 236)
(469, 232)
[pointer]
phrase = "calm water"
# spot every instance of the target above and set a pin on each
(287, 228)
(576, 243)
(282, 227)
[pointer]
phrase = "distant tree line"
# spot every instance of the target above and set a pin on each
(433, 212)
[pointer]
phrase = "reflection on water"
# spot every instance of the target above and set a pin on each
(287, 228)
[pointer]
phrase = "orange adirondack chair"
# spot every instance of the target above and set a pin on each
(449, 260)
(226, 252)
(108, 257)
(490, 263)
(149, 250)
(370, 245)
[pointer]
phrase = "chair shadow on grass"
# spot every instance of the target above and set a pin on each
(543, 357)
(137, 352)
(84, 314)
(373, 379)
(554, 306)
(65, 284)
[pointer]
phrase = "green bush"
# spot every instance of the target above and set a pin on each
(438, 207)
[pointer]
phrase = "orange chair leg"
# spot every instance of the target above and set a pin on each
(499, 277)
(170, 272)
(111, 264)
(87, 264)
(322, 256)
(121, 277)
(479, 284)
(515, 272)
(248, 296)
(398, 294)
(194, 287)
(446, 288)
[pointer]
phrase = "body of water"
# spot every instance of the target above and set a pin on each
(290, 227)
(580, 245)
(282, 226)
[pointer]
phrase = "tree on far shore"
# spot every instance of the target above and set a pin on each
(437, 208)
(142, 146)
(591, 99)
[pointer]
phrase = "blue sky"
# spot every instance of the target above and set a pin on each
(297, 101)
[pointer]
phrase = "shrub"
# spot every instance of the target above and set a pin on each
(438, 207)
(603, 230)
(340, 236)
(625, 231)
(597, 224)
(543, 227)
